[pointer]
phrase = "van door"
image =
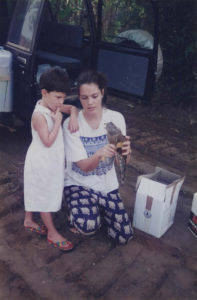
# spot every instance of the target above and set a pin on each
(127, 43)
(22, 39)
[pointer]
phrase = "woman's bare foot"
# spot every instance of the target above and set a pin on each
(74, 230)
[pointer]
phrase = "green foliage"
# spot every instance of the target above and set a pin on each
(68, 11)
(178, 40)
(178, 37)
(123, 15)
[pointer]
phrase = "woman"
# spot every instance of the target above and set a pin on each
(91, 184)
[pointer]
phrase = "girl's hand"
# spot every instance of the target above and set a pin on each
(106, 152)
(57, 116)
(73, 111)
(126, 147)
(73, 125)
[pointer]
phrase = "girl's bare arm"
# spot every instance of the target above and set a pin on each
(40, 125)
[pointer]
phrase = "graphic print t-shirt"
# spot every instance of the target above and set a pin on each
(83, 144)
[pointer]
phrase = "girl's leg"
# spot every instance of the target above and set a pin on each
(116, 217)
(83, 209)
(53, 237)
(53, 234)
(32, 226)
(29, 222)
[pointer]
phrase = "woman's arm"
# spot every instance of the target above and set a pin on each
(73, 112)
(39, 123)
(90, 163)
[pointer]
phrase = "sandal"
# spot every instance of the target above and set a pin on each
(65, 246)
(42, 229)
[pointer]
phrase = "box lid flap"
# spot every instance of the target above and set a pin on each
(166, 176)
(143, 176)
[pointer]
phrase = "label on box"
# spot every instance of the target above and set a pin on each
(147, 212)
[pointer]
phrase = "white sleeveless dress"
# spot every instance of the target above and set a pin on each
(44, 170)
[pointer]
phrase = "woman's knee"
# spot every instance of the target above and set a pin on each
(121, 236)
(87, 226)
(124, 239)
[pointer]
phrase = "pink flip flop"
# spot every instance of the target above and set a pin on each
(41, 230)
(65, 246)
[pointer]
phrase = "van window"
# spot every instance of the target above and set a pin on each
(121, 16)
(24, 24)
(71, 12)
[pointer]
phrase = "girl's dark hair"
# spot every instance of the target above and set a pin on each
(55, 79)
(95, 77)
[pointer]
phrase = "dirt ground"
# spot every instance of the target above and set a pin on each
(146, 268)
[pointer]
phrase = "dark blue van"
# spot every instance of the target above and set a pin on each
(120, 40)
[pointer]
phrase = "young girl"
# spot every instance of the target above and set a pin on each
(44, 163)
(91, 185)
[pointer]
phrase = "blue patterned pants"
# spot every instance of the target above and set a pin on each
(86, 207)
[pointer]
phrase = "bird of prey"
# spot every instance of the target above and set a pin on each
(115, 136)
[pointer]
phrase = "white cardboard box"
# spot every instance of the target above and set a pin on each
(156, 201)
